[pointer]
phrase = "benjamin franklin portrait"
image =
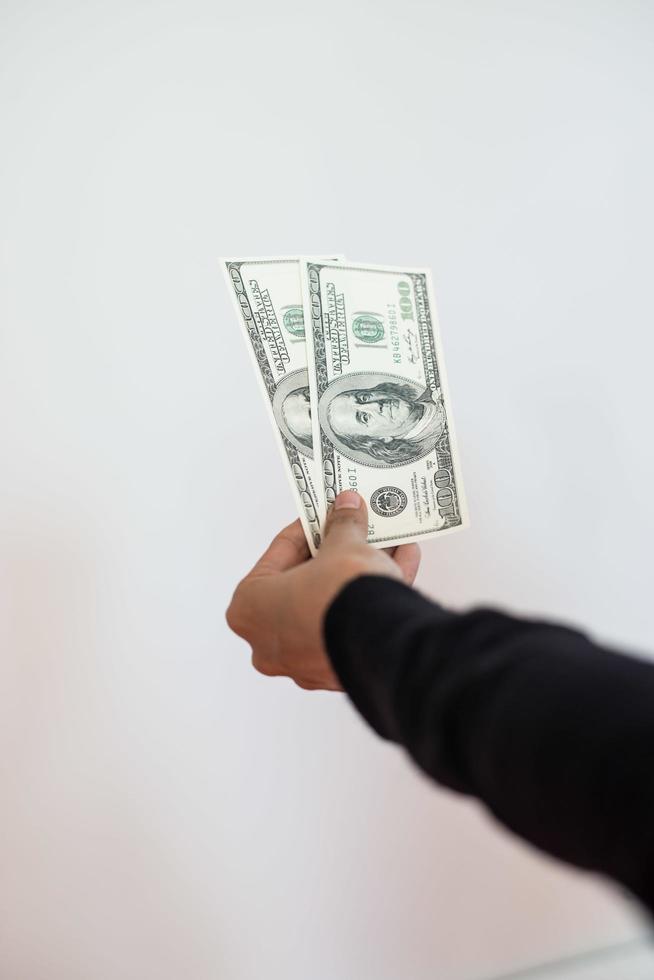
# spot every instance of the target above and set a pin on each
(292, 410)
(381, 419)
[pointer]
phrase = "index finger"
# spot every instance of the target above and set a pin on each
(286, 550)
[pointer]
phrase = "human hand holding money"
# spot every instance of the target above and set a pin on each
(349, 360)
(279, 608)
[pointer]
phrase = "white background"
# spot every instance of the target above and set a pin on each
(165, 812)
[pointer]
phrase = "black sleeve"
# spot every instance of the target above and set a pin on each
(553, 733)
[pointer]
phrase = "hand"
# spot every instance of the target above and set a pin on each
(280, 606)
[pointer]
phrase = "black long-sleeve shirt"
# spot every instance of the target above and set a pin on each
(553, 733)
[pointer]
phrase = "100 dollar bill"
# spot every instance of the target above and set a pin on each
(382, 423)
(268, 298)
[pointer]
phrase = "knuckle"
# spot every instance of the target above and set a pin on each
(263, 666)
(305, 685)
(298, 545)
(340, 517)
(231, 617)
(234, 613)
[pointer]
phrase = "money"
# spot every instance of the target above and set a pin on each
(381, 418)
(268, 299)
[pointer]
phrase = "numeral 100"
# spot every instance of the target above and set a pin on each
(406, 306)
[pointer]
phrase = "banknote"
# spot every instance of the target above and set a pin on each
(381, 416)
(268, 298)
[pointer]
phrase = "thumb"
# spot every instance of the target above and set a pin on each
(347, 521)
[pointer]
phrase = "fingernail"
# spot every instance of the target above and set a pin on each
(348, 499)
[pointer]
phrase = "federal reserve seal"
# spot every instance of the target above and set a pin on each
(368, 328)
(388, 501)
(293, 320)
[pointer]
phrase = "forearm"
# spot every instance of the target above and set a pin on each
(554, 734)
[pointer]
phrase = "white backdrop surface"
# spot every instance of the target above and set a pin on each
(166, 812)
